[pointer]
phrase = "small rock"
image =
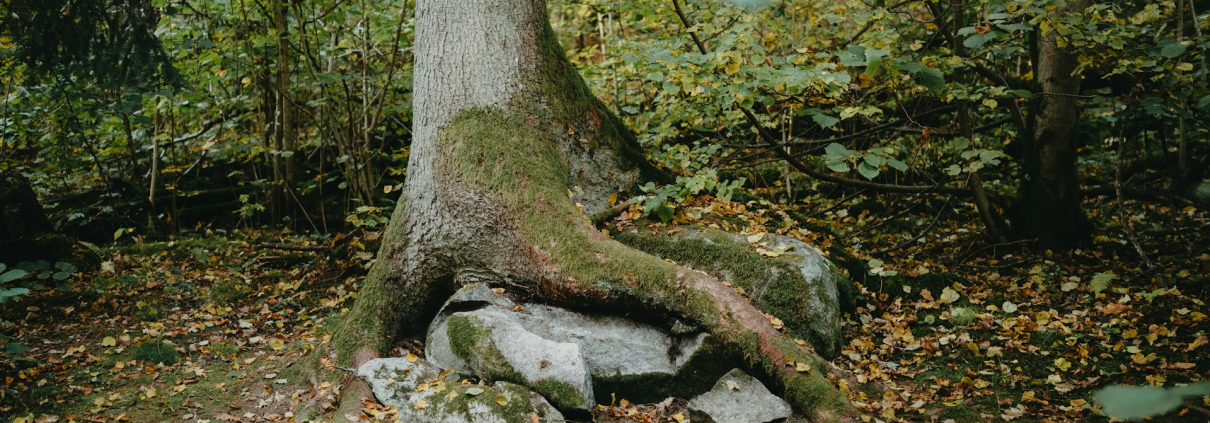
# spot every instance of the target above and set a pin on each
(738, 398)
(395, 379)
(421, 394)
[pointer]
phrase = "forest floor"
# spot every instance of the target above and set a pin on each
(215, 327)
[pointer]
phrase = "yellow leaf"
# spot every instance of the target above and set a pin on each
(802, 367)
(277, 344)
(678, 417)
(412, 358)
(109, 342)
(420, 405)
(1062, 364)
(613, 198)
(949, 295)
(501, 399)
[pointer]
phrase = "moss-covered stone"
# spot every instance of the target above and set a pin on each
(778, 285)
(697, 375)
(472, 340)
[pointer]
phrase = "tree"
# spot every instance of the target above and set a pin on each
(504, 128)
(1049, 203)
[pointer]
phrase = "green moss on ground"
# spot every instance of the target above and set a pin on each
(155, 351)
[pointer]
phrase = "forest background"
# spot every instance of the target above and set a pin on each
(1017, 188)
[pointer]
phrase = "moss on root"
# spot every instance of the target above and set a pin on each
(507, 156)
(775, 283)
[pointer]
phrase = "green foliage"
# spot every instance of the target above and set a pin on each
(156, 352)
(1139, 402)
(110, 41)
(1101, 281)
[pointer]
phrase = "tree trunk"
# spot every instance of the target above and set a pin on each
(1048, 206)
(25, 232)
(505, 129)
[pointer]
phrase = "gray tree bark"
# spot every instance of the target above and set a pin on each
(505, 129)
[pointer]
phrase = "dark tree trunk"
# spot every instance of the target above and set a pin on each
(504, 129)
(1048, 206)
(25, 232)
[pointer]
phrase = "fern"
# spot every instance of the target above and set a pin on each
(1100, 281)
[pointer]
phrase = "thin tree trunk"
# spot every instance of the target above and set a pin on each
(285, 135)
(504, 128)
(1048, 206)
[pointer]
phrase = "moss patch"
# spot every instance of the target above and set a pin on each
(155, 352)
(776, 284)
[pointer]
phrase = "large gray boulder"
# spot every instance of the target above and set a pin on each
(785, 277)
(625, 358)
(497, 347)
(738, 398)
(423, 394)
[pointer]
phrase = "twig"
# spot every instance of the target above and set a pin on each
(288, 247)
(1117, 186)
(609, 213)
(926, 230)
(837, 205)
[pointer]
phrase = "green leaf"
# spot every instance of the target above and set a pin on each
(841, 167)
(978, 40)
(898, 165)
(665, 213)
(869, 172)
(15, 347)
(12, 275)
(825, 121)
(6, 294)
(1170, 48)
(1136, 402)
(837, 150)
(933, 79)
(873, 56)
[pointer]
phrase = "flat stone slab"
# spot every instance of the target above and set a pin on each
(633, 360)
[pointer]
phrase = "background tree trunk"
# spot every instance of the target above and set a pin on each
(25, 232)
(504, 130)
(1048, 206)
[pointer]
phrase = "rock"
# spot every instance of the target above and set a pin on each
(394, 380)
(470, 297)
(498, 348)
(397, 382)
(633, 360)
(738, 398)
(820, 315)
(791, 280)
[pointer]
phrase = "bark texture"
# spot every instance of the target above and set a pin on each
(510, 152)
(1048, 206)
